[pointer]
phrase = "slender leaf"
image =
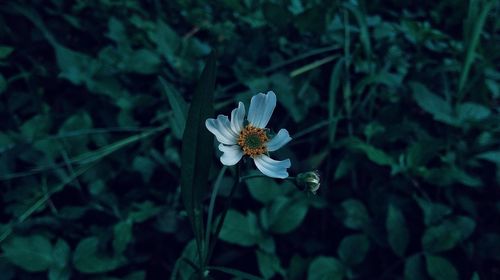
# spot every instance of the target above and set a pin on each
(475, 23)
(235, 272)
(335, 82)
(178, 105)
(196, 156)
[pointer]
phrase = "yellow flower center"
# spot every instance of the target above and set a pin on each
(252, 141)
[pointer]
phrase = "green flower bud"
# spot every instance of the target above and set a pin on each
(308, 181)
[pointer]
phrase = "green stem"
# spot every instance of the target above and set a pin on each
(211, 207)
(215, 237)
(242, 178)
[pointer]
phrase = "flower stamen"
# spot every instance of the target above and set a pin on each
(252, 141)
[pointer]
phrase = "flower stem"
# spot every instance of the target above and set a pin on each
(211, 207)
(223, 216)
(242, 178)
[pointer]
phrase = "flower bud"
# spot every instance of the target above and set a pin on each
(308, 181)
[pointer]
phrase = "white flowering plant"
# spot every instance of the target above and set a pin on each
(251, 138)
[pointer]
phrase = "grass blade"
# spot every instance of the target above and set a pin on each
(364, 35)
(473, 32)
(42, 200)
(235, 272)
(87, 157)
(178, 105)
(312, 65)
(332, 95)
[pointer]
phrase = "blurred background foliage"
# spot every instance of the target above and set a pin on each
(395, 103)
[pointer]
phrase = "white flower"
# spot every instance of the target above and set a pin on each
(238, 139)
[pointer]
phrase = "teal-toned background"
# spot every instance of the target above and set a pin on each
(395, 103)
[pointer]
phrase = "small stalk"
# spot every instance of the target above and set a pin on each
(215, 237)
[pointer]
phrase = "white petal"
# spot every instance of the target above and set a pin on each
(237, 116)
(261, 109)
(279, 140)
(231, 154)
(272, 168)
(221, 128)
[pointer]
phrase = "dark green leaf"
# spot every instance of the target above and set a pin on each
(493, 156)
(122, 236)
(267, 244)
(35, 127)
(32, 253)
(5, 51)
(142, 61)
(325, 268)
(3, 84)
(143, 211)
(433, 212)
(269, 264)
(87, 257)
(240, 229)
(58, 273)
(60, 270)
(472, 112)
(117, 31)
(285, 215)
(353, 249)
(276, 14)
(75, 123)
(297, 268)
(397, 232)
(374, 154)
(355, 214)
(264, 190)
(167, 41)
(420, 153)
(61, 253)
(440, 268)
(179, 108)
(414, 268)
(431, 103)
(493, 87)
(343, 168)
(182, 269)
(196, 154)
(448, 234)
(145, 166)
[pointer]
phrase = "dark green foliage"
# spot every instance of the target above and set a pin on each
(395, 103)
